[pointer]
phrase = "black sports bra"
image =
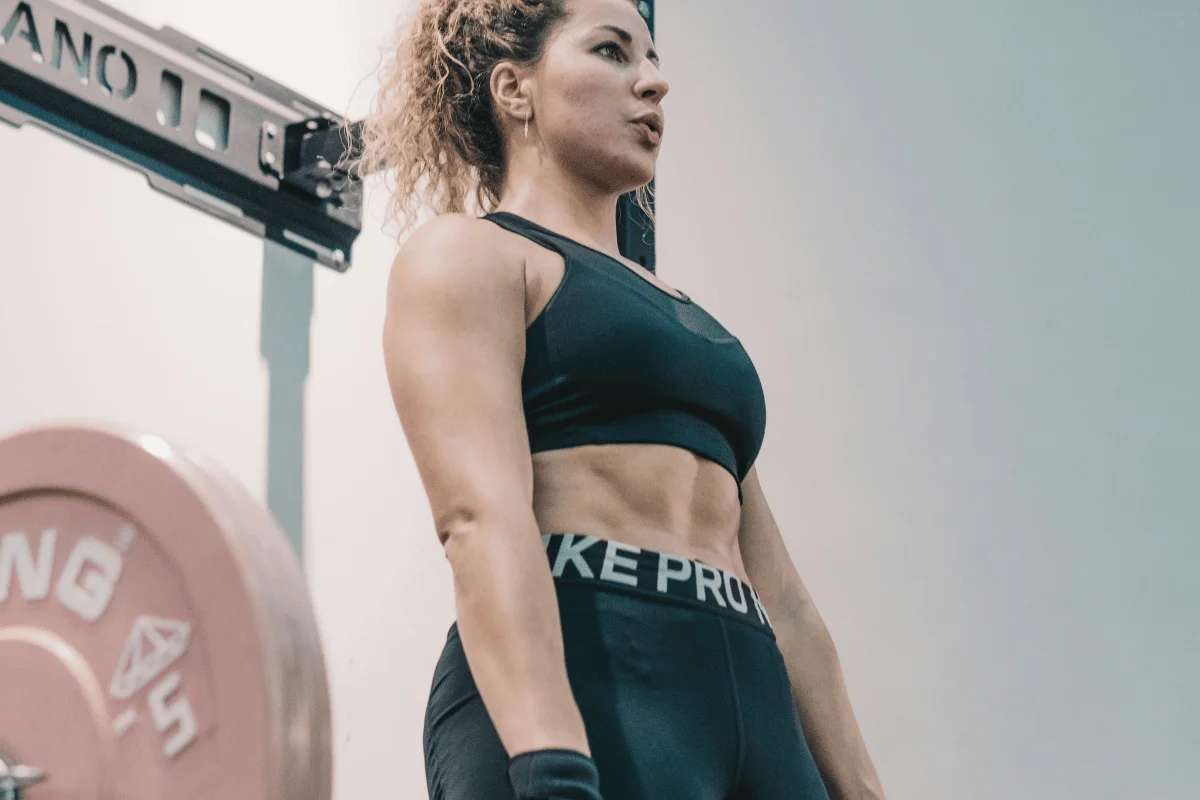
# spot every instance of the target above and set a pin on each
(615, 359)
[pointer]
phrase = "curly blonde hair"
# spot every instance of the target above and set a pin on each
(433, 133)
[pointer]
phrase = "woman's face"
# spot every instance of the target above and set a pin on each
(597, 79)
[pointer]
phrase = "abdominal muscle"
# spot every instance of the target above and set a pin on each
(656, 497)
(653, 496)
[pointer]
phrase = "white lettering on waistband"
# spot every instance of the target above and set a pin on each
(740, 603)
(573, 552)
(611, 559)
(546, 542)
(665, 572)
(708, 578)
(758, 606)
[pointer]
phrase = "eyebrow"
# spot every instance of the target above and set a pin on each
(627, 38)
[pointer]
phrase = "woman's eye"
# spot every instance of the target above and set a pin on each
(610, 47)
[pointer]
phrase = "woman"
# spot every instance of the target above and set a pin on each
(585, 434)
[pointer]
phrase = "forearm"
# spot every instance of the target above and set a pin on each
(823, 705)
(509, 625)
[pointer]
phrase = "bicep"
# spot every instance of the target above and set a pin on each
(454, 349)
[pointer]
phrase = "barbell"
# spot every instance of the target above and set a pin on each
(157, 640)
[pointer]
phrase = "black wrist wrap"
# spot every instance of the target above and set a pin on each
(554, 775)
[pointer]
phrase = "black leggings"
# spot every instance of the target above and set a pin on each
(684, 696)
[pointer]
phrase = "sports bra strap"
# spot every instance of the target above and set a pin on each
(532, 231)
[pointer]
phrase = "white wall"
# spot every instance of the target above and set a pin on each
(956, 239)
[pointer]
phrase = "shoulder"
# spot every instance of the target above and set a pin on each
(459, 263)
(451, 229)
(450, 243)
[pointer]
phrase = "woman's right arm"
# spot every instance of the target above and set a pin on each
(454, 345)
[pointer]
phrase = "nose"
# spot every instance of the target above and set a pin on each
(651, 85)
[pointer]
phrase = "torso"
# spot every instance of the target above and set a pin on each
(657, 497)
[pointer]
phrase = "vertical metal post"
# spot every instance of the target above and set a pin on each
(635, 235)
(287, 305)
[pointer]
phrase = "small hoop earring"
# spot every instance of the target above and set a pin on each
(527, 126)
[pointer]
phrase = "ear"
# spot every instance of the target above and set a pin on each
(511, 89)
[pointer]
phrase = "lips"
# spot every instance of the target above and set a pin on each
(650, 130)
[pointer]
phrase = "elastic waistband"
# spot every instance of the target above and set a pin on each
(605, 564)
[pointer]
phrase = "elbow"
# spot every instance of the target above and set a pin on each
(457, 536)
(466, 504)
(461, 526)
(451, 525)
(455, 530)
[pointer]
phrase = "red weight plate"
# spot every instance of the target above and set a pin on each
(156, 636)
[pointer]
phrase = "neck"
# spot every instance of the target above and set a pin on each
(544, 195)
